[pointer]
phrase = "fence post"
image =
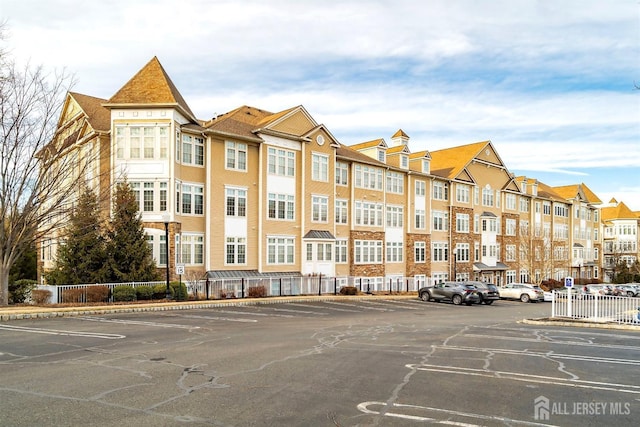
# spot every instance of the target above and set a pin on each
(368, 287)
(280, 286)
(319, 284)
(242, 287)
(407, 285)
(335, 286)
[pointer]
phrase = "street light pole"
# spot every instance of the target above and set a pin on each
(166, 239)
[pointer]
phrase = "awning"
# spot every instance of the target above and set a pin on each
(479, 266)
(248, 274)
(487, 213)
(319, 235)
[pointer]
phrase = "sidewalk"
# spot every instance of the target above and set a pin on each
(36, 312)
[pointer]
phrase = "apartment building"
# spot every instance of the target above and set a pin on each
(255, 193)
(620, 237)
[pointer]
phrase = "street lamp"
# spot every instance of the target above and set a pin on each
(166, 219)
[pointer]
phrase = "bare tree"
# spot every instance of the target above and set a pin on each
(540, 254)
(40, 166)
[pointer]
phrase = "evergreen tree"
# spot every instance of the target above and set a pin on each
(130, 258)
(81, 258)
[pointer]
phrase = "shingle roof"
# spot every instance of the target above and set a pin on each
(620, 211)
(571, 191)
(151, 85)
(242, 121)
(98, 116)
(368, 144)
(400, 133)
(348, 153)
(449, 162)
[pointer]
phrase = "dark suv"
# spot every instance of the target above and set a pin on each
(456, 292)
(488, 292)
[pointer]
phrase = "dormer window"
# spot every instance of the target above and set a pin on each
(404, 162)
(381, 156)
(524, 187)
(426, 166)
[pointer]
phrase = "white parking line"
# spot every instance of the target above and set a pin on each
(364, 407)
(62, 333)
(137, 322)
(539, 379)
(353, 305)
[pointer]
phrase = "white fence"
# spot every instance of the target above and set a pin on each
(596, 308)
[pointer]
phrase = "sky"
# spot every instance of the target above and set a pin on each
(552, 84)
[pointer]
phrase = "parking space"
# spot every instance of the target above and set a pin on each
(383, 362)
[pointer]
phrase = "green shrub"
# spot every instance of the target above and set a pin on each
(97, 293)
(144, 292)
(179, 291)
(124, 293)
(73, 295)
(257, 292)
(348, 290)
(40, 296)
(19, 290)
(160, 292)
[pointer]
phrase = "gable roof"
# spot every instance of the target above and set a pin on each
(347, 153)
(620, 211)
(575, 190)
(239, 122)
(451, 162)
(151, 85)
(98, 116)
(369, 144)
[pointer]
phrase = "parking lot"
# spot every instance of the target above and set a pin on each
(377, 362)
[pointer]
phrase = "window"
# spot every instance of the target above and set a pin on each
(368, 177)
(462, 252)
(280, 250)
(510, 201)
(192, 249)
(546, 208)
(319, 208)
(192, 150)
(236, 250)
(236, 153)
(149, 142)
(426, 166)
(150, 196)
(341, 211)
(280, 206)
(440, 251)
(341, 251)
(192, 199)
(510, 227)
(342, 173)
(420, 219)
(440, 191)
(440, 220)
(420, 188)
(319, 167)
(510, 252)
(134, 143)
(368, 251)
(462, 193)
(394, 251)
(395, 216)
(281, 162)
(462, 223)
(487, 197)
(489, 225)
(524, 204)
(368, 213)
(381, 156)
(420, 252)
(236, 202)
(395, 182)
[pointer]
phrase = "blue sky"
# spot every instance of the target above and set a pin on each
(550, 83)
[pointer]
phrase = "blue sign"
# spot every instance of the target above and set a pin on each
(568, 282)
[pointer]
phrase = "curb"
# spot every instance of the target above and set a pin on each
(581, 324)
(45, 312)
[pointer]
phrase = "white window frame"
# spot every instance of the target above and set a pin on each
(236, 157)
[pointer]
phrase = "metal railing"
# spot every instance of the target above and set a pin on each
(596, 308)
(250, 287)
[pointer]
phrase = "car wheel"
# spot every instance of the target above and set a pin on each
(525, 298)
(488, 302)
(630, 294)
(425, 296)
(457, 299)
(480, 298)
